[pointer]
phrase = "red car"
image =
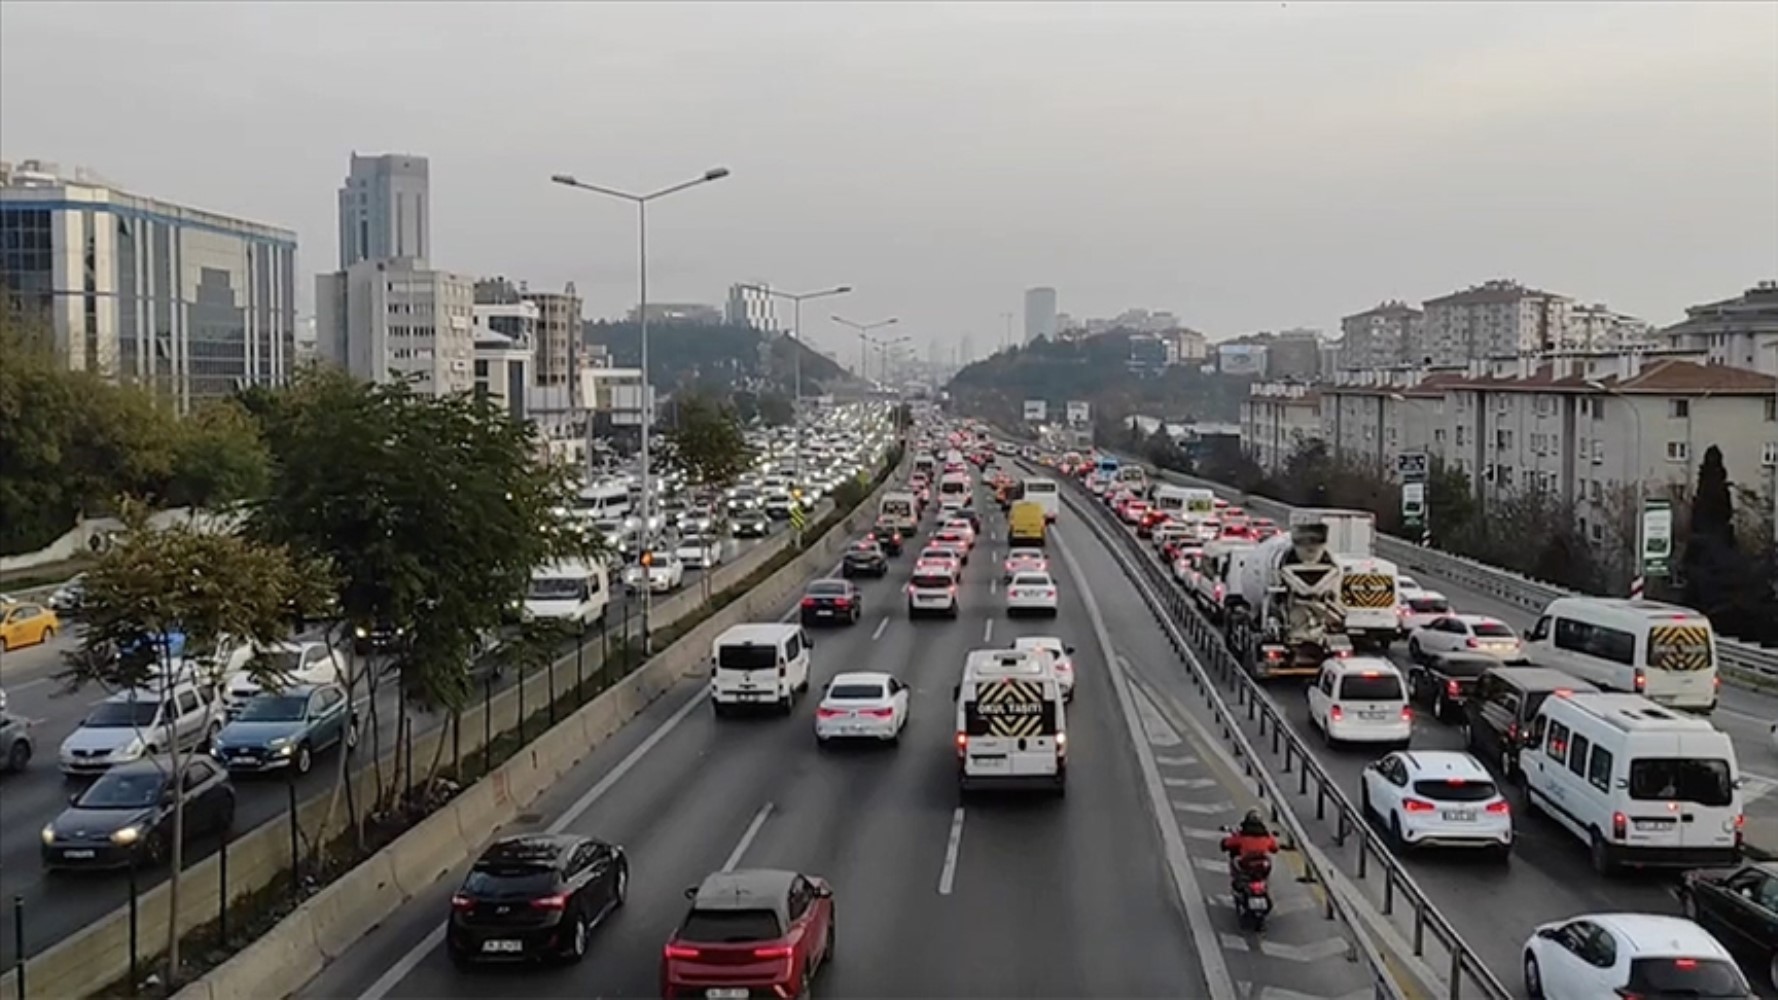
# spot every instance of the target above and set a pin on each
(754, 932)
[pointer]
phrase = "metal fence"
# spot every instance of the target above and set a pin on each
(1215, 670)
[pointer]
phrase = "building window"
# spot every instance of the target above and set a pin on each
(1438, 435)
(1679, 409)
(1598, 452)
(1679, 451)
(1503, 439)
(1459, 435)
(1768, 454)
(1593, 491)
(1598, 532)
(1598, 409)
(1771, 409)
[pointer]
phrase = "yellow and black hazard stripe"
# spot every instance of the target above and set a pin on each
(1679, 647)
(1368, 590)
(1011, 707)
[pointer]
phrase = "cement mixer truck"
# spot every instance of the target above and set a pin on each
(1285, 615)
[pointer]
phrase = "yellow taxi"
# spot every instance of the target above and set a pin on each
(23, 623)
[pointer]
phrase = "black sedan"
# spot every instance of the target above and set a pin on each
(127, 815)
(1445, 681)
(536, 897)
(1740, 908)
(865, 558)
(832, 602)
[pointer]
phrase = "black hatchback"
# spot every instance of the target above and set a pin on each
(126, 817)
(536, 897)
(865, 558)
(833, 602)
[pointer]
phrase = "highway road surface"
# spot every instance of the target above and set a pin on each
(58, 905)
(1115, 891)
(1496, 909)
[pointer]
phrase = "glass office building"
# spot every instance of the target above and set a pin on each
(192, 304)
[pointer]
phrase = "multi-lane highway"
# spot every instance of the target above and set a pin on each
(1116, 890)
(1497, 909)
(57, 905)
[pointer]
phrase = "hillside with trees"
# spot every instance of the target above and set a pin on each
(1097, 370)
(716, 358)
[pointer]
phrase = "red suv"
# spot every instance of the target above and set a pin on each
(750, 933)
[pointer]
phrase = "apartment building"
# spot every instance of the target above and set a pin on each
(1386, 335)
(1597, 328)
(1376, 416)
(1741, 332)
(396, 319)
(1493, 319)
(1277, 418)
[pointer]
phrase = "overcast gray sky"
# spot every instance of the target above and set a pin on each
(1248, 166)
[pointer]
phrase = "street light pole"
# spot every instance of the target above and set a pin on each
(647, 405)
(863, 330)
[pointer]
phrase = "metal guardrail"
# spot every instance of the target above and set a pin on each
(1739, 660)
(1212, 665)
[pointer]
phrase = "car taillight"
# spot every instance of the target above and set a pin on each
(1641, 680)
(842, 602)
(1335, 713)
(878, 713)
(1050, 592)
(462, 904)
(808, 602)
(1216, 592)
(1499, 806)
(1620, 825)
(953, 589)
(559, 901)
(680, 951)
(1472, 644)
(1256, 888)
(962, 743)
(829, 713)
(1452, 689)
(1407, 713)
(1416, 806)
(1740, 829)
(776, 951)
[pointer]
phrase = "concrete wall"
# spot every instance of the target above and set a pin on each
(91, 536)
(323, 926)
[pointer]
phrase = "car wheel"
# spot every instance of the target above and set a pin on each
(210, 736)
(1395, 834)
(154, 849)
(1772, 972)
(575, 949)
(305, 759)
(1599, 856)
(18, 756)
(1533, 978)
(47, 634)
(1364, 800)
(827, 953)
(1440, 707)
(1414, 653)
(620, 892)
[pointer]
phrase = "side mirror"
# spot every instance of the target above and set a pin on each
(691, 892)
(1069, 650)
(956, 691)
(824, 891)
(1548, 934)
(73, 798)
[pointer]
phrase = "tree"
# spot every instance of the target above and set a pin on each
(776, 410)
(218, 457)
(706, 441)
(433, 512)
(215, 590)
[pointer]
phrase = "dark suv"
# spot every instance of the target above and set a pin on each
(1497, 713)
(534, 897)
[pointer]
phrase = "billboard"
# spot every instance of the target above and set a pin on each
(1079, 413)
(1241, 359)
(1036, 411)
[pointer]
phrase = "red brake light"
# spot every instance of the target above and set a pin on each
(878, 713)
(1499, 806)
(1407, 713)
(842, 602)
(962, 743)
(1641, 680)
(1619, 826)
(559, 901)
(1257, 888)
(776, 951)
(1335, 713)
(1371, 673)
(1685, 963)
(1452, 689)
(808, 602)
(1561, 693)
(680, 951)
(1416, 806)
(462, 904)
(827, 713)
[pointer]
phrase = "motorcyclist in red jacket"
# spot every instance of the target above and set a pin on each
(1252, 840)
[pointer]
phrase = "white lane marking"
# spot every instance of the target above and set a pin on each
(1205, 808)
(740, 851)
(1220, 985)
(878, 634)
(1189, 782)
(948, 876)
(988, 631)
(993, 587)
(1182, 760)
(27, 685)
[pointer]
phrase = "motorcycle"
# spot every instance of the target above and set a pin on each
(1250, 885)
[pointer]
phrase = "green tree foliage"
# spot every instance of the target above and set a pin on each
(214, 589)
(707, 442)
(776, 409)
(1729, 582)
(219, 456)
(688, 354)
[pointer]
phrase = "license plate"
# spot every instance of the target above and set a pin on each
(503, 947)
(1373, 715)
(826, 611)
(725, 993)
(1653, 824)
(1259, 904)
(77, 853)
(1464, 815)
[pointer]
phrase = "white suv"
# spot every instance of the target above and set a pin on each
(1361, 699)
(130, 725)
(1629, 955)
(933, 590)
(1437, 798)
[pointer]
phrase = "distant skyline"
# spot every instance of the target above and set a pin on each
(1246, 166)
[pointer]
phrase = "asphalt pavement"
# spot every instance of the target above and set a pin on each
(57, 905)
(1029, 896)
(1495, 908)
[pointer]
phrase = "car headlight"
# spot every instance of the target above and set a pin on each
(361, 632)
(281, 747)
(280, 743)
(129, 751)
(126, 836)
(49, 833)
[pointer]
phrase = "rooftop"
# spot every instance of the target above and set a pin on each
(1490, 292)
(1666, 377)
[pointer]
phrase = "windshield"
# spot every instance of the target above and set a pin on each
(1030, 580)
(1492, 630)
(1672, 978)
(747, 657)
(123, 790)
(1706, 782)
(1455, 790)
(281, 661)
(275, 708)
(520, 881)
(122, 714)
(856, 692)
(1040, 487)
(556, 588)
(1429, 605)
(931, 581)
(729, 926)
(822, 588)
(1382, 687)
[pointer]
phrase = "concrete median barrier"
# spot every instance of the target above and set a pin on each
(292, 952)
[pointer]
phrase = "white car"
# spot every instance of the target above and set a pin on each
(862, 706)
(1421, 608)
(1361, 699)
(1437, 798)
(933, 590)
(663, 574)
(962, 527)
(1407, 586)
(1024, 561)
(1467, 634)
(1060, 653)
(1604, 955)
(1031, 593)
(295, 663)
(699, 552)
(1185, 566)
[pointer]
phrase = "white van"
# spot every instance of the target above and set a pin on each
(1044, 493)
(765, 663)
(954, 491)
(601, 501)
(1663, 652)
(1637, 782)
(573, 591)
(901, 510)
(1012, 725)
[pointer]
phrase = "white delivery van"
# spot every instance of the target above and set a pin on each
(954, 491)
(752, 665)
(1180, 502)
(603, 500)
(573, 591)
(1663, 652)
(1638, 783)
(901, 510)
(1043, 492)
(1012, 726)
